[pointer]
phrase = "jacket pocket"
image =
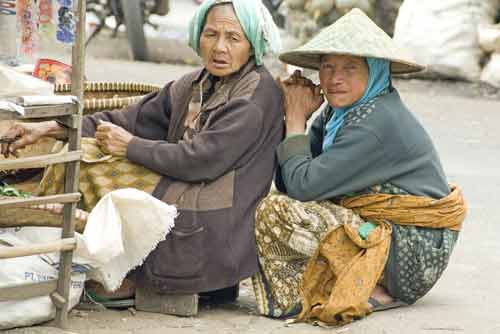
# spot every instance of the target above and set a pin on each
(181, 254)
(215, 195)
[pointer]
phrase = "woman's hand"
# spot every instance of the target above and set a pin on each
(302, 99)
(21, 135)
(113, 139)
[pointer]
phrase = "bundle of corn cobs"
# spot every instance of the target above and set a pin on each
(304, 18)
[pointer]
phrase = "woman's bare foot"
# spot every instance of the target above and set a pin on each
(381, 296)
(126, 290)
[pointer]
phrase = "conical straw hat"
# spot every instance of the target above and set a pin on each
(353, 34)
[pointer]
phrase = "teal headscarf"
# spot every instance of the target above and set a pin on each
(255, 19)
(379, 79)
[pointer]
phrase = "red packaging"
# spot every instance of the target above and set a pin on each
(53, 71)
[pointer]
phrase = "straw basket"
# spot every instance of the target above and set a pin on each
(99, 96)
(36, 215)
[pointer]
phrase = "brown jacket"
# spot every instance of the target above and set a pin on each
(215, 180)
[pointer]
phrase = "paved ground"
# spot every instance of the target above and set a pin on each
(464, 127)
(463, 119)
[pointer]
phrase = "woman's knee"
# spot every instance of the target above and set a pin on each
(268, 206)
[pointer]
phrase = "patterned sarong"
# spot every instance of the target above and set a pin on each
(100, 174)
(288, 233)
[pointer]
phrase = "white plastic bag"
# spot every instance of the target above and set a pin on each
(124, 227)
(443, 34)
(491, 72)
(17, 84)
(26, 270)
(489, 37)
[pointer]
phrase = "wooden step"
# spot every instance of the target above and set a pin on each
(35, 249)
(40, 160)
(148, 300)
(41, 112)
(23, 202)
(25, 291)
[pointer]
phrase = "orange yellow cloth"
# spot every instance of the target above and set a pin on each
(341, 276)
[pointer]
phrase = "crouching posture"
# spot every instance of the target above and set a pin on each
(205, 142)
(364, 219)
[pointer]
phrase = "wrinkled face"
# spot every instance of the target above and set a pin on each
(343, 79)
(224, 47)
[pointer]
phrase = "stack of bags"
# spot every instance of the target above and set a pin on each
(489, 40)
(443, 35)
(306, 17)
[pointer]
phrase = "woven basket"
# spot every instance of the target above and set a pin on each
(37, 215)
(99, 96)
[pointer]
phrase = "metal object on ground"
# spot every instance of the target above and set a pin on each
(131, 13)
(134, 21)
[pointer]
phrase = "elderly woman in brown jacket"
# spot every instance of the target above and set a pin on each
(208, 141)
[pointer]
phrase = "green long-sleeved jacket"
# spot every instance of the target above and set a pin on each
(378, 144)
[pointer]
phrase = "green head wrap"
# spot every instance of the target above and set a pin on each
(255, 19)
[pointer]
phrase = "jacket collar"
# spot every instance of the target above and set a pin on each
(222, 94)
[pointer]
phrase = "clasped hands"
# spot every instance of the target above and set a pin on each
(302, 98)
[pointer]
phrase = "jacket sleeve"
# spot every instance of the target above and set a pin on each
(315, 139)
(353, 164)
(211, 153)
(316, 135)
(147, 119)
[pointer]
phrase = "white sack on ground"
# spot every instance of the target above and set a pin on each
(443, 34)
(491, 72)
(26, 270)
(124, 227)
(489, 37)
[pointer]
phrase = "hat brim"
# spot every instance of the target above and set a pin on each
(353, 34)
(312, 60)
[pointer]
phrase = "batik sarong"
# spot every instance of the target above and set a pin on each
(288, 232)
(100, 174)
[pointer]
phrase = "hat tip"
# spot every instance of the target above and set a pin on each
(356, 11)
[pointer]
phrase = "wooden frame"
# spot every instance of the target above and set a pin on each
(71, 116)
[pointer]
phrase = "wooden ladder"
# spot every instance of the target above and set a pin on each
(70, 115)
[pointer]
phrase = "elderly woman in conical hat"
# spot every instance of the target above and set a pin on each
(364, 218)
(206, 143)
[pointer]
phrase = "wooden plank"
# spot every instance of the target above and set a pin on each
(57, 299)
(36, 112)
(25, 291)
(72, 121)
(62, 198)
(40, 160)
(40, 112)
(35, 249)
(72, 168)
